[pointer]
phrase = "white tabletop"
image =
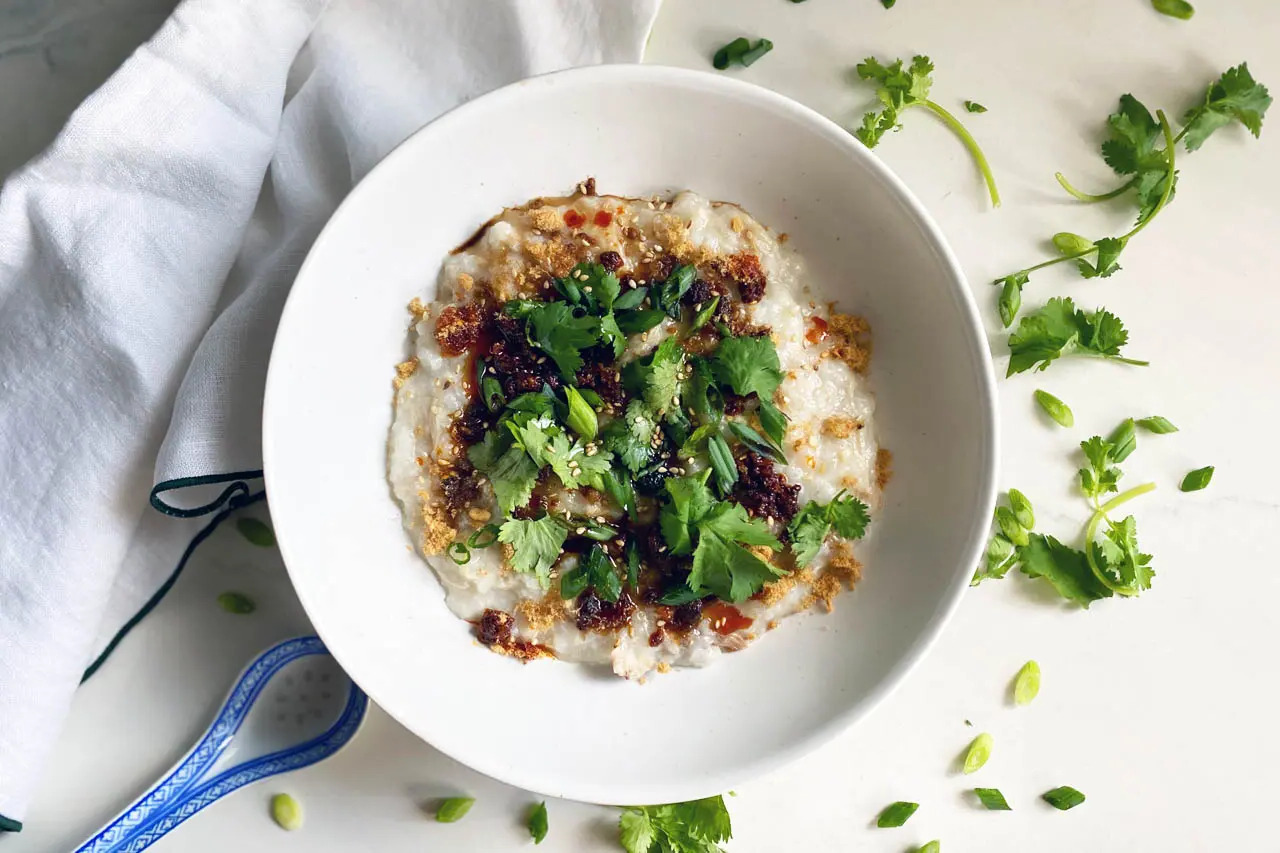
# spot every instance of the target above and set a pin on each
(1162, 709)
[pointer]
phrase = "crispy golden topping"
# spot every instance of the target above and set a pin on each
(417, 309)
(553, 256)
(775, 591)
(840, 426)
(884, 468)
(542, 615)
(544, 219)
(404, 370)
(438, 531)
(851, 337)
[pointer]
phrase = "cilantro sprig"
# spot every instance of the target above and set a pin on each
(699, 826)
(717, 534)
(1142, 149)
(899, 89)
(808, 529)
(1058, 329)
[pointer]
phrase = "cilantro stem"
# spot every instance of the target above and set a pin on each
(1099, 515)
(1090, 198)
(1171, 147)
(972, 144)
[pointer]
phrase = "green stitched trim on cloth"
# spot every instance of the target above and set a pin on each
(235, 500)
(237, 489)
(7, 825)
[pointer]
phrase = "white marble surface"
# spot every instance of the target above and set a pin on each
(1162, 710)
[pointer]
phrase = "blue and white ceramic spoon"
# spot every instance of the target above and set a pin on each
(292, 706)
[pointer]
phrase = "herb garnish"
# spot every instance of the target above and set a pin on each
(1197, 479)
(1180, 9)
(1058, 329)
(1055, 408)
(900, 88)
(974, 107)
(978, 753)
(896, 814)
(1063, 798)
(1026, 685)
(808, 529)
(694, 827)
(454, 809)
(718, 534)
(993, 799)
(740, 50)
(538, 822)
(1134, 151)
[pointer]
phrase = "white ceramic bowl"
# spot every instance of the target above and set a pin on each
(562, 729)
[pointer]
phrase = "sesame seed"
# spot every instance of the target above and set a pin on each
(619, 542)
(643, 281)
(657, 248)
(587, 289)
(541, 359)
(675, 400)
(581, 530)
(662, 469)
(662, 549)
(661, 622)
(600, 519)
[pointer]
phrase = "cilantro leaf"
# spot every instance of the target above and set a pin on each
(562, 335)
(574, 466)
(727, 570)
(1060, 329)
(596, 570)
(730, 521)
(536, 545)
(690, 501)
(630, 437)
(808, 529)
(1233, 96)
(694, 827)
(1064, 567)
(748, 366)
(1119, 558)
(511, 471)
(657, 377)
(898, 89)
(1108, 251)
(1131, 147)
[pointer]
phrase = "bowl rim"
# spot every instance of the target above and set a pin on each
(986, 491)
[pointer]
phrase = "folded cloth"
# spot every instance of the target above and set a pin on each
(144, 260)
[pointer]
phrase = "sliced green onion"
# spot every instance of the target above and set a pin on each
(701, 318)
(1180, 9)
(1026, 685)
(896, 814)
(774, 423)
(538, 822)
(582, 418)
(454, 809)
(1124, 440)
(974, 107)
(993, 799)
(755, 441)
(1055, 408)
(484, 537)
(1156, 424)
(593, 399)
(1022, 510)
(761, 48)
(236, 602)
(888, 4)
(631, 299)
(1009, 526)
(632, 554)
(286, 812)
(978, 753)
(1197, 479)
(491, 393)
(640, 320)
(1010, 302)
(459, 553)
(1063, 798)
(722, 463)
(730, 53)
(600, 532)
(934, 846)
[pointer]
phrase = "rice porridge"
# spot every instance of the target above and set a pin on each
(629, 434)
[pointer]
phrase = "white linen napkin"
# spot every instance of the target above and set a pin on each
(144, 260)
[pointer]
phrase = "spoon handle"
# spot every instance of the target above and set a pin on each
(186, 789)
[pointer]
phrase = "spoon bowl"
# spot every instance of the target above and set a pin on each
(291, 707)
